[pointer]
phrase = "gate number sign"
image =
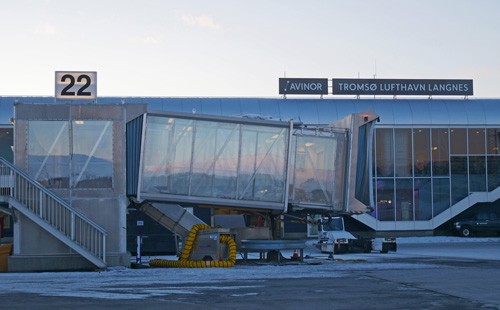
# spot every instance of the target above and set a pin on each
(76, 85)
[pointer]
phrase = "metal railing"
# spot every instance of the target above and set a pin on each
(51, 209)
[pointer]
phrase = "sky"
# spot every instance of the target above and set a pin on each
(223, 48)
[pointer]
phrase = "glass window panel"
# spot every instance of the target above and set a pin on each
(270, 171)
(440, 153)
(48, 153)
(440, 194)
(493, 140)
(226, 162)
(459, 183)
(92, 158)
(262, 171)
(6, 143)
(458, 138)
(179, 154)
(477, 173)
(385, 152)
(155, 155)
(339, 164)
(248, 161)
(403, 153)
(215, 161)
(493, 172)
(6, 111)
(313, 169)
(385, 199)
(476, 140)
(167, 155)
(423, 199)
(421, 147)
(404, 199)
(204, 157)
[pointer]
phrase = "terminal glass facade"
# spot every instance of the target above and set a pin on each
(421, 172)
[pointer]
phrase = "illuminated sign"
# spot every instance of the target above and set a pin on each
(402, 87)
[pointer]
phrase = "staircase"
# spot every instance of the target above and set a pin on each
(52, 213)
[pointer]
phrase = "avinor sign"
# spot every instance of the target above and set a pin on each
(401, 87)
(303, 86)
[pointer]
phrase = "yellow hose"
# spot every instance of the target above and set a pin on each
(184, 261)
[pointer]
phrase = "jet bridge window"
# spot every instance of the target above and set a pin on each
(214, 159)
(317, 168)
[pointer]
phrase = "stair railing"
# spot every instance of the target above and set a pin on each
(52, 209)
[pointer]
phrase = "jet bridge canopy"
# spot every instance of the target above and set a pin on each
(235, 162)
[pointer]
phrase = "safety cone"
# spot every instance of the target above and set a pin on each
(295, 255)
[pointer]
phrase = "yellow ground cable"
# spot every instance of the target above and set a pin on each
(184, 261)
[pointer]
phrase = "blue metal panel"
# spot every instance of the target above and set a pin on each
(308, 111)
(230, 107)
(269, 107)
(250, 106)
(438, 111)
(345, 108)
(362, 106)
(392, 111)
(113, 100)
(492, 112)
(210, 106)
(402, 113)
(420, 112)
(327, 112)
(33, 99)
(155, 103)
(192, 106)
(457, 111)
(384, 109)
(475, 113)
(180, 105)
(289, 110)
(134, 142)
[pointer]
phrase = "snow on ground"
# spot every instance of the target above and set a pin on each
(125, 283)
(467, 248)
(445, 239)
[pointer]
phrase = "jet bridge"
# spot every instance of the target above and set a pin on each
(243, 163)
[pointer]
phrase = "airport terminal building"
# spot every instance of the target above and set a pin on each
(427, 160)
